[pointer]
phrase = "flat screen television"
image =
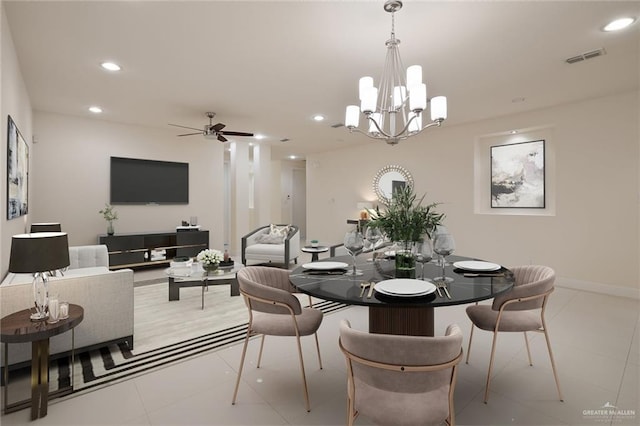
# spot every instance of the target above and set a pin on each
(136, 181)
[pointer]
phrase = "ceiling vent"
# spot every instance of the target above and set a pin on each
(585, 56)
(285, 140)
(337, 125)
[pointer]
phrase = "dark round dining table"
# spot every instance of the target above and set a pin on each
(400, 315)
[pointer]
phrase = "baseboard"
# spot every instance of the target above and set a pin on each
(593, 287)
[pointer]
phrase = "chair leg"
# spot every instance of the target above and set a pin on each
(493, 351)
(553, 364)
(260, 353)
(526, 341)
(304, 377)
(469, 347)
(318, 349)
(244, 353)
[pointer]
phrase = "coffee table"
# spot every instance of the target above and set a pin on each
(201, 278)
(314, 251)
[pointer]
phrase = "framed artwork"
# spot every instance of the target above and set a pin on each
(517, 175)
(17, 172)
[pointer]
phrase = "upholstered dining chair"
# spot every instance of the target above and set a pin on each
(401, 380)
(275, 311)
(521, 309)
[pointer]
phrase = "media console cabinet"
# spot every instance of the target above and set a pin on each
(139, 250)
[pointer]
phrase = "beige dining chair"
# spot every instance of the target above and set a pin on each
(401, 380)
(275, 311)
(521, 309)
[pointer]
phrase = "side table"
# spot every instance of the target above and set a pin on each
(18, 328)
(315, 251)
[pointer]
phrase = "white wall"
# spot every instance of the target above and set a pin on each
(14, 102)
(70, 165)
(591, 238)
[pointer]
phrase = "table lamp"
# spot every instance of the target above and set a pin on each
(39, 253)
(46, 227)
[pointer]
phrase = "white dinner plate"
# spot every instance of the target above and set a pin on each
(476, 265)
(323, 266)
(405, 287)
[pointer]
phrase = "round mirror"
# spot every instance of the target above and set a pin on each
(388, 179)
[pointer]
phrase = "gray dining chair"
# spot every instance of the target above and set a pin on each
(275, 311)
(401, 380)
(521, 309)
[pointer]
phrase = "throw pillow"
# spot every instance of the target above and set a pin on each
(269, 239)
(281, 230)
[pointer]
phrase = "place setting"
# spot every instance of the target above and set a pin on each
(478, 268)
(325, 268)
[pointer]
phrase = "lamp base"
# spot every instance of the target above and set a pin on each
(38, 316)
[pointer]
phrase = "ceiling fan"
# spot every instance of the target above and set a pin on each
(212, 131)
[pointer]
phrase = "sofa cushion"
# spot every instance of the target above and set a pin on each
(88, 256)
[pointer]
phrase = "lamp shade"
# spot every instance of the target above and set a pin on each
(39, 252)
(438, 108)
(46, 227)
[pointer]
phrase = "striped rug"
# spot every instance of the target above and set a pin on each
(115, 363)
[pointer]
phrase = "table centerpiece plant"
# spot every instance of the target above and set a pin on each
(209, 259)
(406, 221)
(109, 214)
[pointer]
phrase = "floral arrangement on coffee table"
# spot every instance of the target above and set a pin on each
(209, 258)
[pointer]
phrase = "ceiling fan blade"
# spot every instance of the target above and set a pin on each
(218, 127)
(237, 133)
(221, 138)
(184, 127)
(190, 134)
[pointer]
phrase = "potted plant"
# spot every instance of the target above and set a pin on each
(109, 215)
(406, 221)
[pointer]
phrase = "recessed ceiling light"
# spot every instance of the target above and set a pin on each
(619, 24)
(318, 117)
(110, 66)
(292, 157)
(258, 136)
(95, 109)
(513, 132)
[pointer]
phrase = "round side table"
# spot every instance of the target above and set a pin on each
(315, 251)
(18, 328)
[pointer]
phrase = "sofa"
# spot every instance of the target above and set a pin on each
(106, 296)
(260, 246)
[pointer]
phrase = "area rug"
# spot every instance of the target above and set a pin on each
(113, 363)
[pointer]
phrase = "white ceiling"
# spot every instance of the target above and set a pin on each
(268, 66)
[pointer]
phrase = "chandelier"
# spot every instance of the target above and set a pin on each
(394, 110)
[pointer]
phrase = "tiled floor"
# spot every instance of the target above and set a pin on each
(595, 341)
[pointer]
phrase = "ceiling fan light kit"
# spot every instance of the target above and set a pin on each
(394, 110)
(212, 131)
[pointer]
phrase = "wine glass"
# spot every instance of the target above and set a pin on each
(424, 253)
(373, 235)
(444, 245)
(354, 243)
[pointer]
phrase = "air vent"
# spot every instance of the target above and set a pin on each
(337, 125)
(585, 56)
(285, 140)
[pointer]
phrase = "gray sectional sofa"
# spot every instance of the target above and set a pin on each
(106, 296)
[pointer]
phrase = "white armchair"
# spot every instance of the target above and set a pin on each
(257, 249)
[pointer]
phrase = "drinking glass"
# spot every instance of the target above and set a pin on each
(444, 245)
(354, 243)
(424, 253)
(373, 235)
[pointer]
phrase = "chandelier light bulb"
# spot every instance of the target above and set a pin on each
(418, 97)
(399, 96)
(365, 84)
(369, 100)
(439, 108)
(352, 117)
(414, 76)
